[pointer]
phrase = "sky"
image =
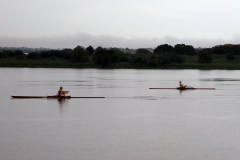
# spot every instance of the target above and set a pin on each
(118, 23)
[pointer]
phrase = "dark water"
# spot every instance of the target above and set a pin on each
(131, 123)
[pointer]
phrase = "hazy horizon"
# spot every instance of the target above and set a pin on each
(125, 23)
(86, 40)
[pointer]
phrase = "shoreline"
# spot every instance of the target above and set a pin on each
(219, 62)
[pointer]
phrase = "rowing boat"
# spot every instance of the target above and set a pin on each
(185, 88)
(54, 97)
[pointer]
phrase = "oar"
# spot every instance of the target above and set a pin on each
(162, 88)
(206, 88)
(87, 97)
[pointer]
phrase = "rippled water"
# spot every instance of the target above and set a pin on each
(133, 122)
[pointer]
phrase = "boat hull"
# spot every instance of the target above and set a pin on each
(184, 88)
(59, 97)
(28, 97)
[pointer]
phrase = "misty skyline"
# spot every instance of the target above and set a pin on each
(125, 23)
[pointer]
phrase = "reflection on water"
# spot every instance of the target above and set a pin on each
(132, 122)
(61, 102)
(220, 79)
(180, 91)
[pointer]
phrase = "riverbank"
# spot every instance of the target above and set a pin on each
(191, 62)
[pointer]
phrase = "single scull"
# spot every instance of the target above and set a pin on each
(185, 88)
(55, 97)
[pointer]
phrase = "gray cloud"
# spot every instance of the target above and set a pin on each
(85, 40)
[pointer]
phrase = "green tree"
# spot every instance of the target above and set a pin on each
(143, 50)
(230, 56)
(97, 49)
(3, 55)
(163, 48)
(55, 53)
(34, 55)
(124, 57)
(227, 49)
(18, 53)
(204, 57)
(8, 52)
(90, 49)
(184, 49)
(102, 57)
(218, 50)
(175, 58)
(236, 49)
(14, 53)
(45, 54)
(141, 56)
(160, 60)
(66, 53)
(79, 55)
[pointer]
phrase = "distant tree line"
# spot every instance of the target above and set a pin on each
(8, 53)
(229, 50)
(162, 55)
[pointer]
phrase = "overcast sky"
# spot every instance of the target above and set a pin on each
(118, 23)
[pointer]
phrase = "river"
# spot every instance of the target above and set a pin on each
(132, 122)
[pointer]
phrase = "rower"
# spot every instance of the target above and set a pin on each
(181, 85)
(61, 92)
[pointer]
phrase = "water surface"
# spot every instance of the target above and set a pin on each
(131, 123)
